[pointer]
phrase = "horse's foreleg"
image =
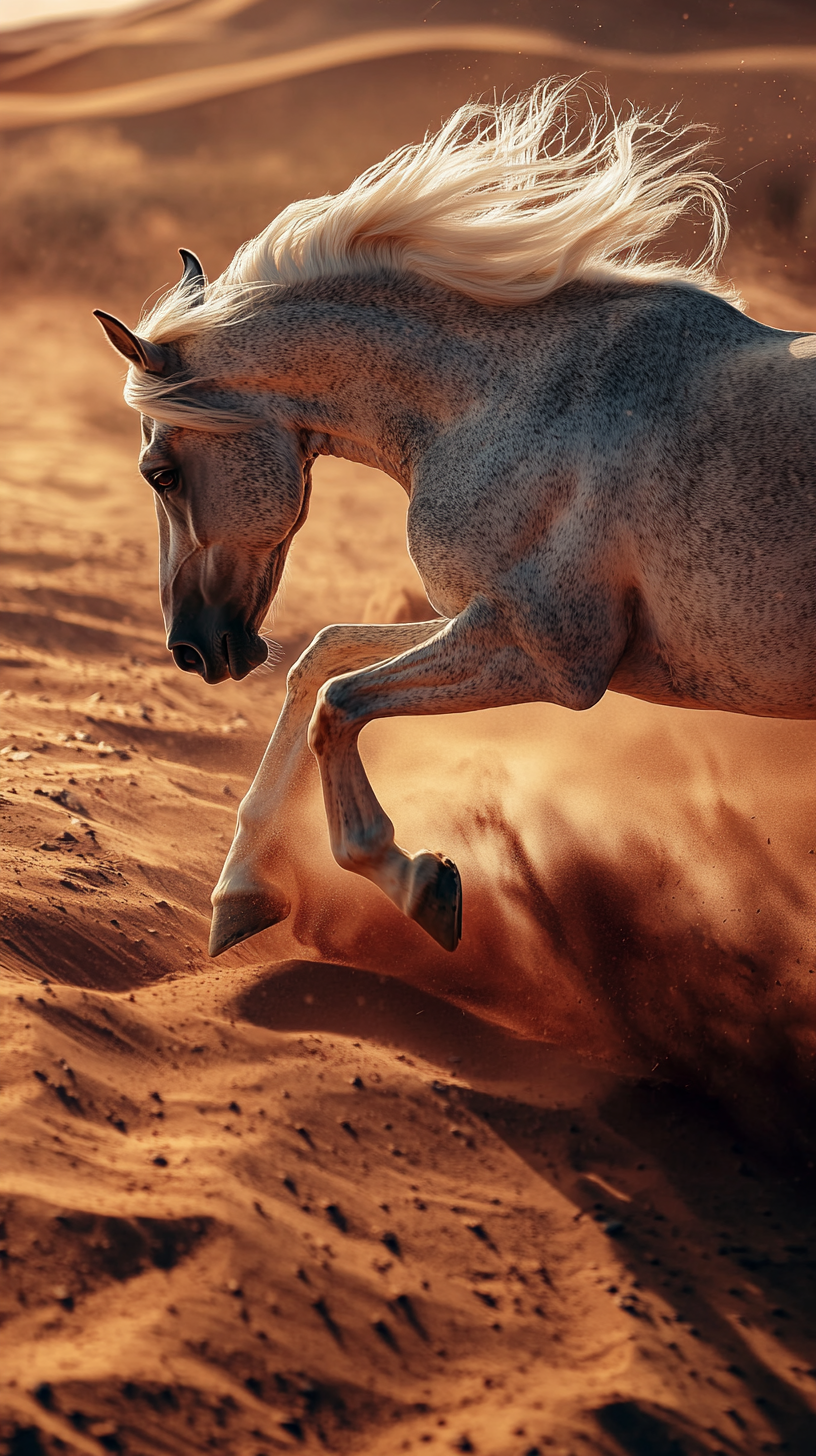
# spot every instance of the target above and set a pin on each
(247, 898)
(468, 664)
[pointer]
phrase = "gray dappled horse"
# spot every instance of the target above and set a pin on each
(611, 470)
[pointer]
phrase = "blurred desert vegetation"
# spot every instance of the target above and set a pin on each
(84, 206)
(100, 207)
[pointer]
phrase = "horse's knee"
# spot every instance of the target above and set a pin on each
(318, 734)
(329, 717)
(311, 666)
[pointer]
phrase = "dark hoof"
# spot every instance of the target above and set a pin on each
(436, 899)
(237, 917)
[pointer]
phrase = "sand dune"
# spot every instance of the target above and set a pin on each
(184, 88)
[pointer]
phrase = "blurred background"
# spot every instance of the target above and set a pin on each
(102, 202)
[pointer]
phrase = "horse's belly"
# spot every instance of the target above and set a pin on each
(645, 672)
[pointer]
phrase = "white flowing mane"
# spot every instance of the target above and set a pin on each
(506, 203)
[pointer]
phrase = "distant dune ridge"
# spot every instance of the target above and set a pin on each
(177, 89)
(102, 131)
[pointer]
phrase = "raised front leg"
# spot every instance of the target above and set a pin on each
(468, 663)
(247, 898)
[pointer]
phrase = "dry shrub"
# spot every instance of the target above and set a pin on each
(83, 205)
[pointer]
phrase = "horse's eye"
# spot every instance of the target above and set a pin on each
(164, 480)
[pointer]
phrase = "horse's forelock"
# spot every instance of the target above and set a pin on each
(180, 403)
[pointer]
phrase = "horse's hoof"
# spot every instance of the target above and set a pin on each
(238, 916)
(436, 898)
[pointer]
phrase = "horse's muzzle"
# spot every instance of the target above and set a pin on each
(215, 655)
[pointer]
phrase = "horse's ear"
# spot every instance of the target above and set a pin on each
(193, 276)
(150, 357)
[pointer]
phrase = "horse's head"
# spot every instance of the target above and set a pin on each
(228, 506)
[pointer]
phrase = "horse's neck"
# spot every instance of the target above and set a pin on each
(372, 372)
(397, 464)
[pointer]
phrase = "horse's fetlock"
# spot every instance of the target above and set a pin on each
(360, 855)
(350, 858)
(354, 855)
(364, 846)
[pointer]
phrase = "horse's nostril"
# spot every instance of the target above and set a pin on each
(189, 659)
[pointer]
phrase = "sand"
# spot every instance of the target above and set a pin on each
(339, 1190)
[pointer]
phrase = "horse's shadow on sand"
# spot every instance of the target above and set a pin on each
(314, 996)
(751, 1217)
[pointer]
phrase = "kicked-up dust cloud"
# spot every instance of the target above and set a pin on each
(639, 887)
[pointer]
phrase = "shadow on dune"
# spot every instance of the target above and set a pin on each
(90, 954)
(738, 1259)
(313, 996)
(739, 1254)
(46, 631)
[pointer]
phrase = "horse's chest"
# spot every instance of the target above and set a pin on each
(444, 560)
(457, 539)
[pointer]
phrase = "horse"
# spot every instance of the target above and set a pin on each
(609, 466)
